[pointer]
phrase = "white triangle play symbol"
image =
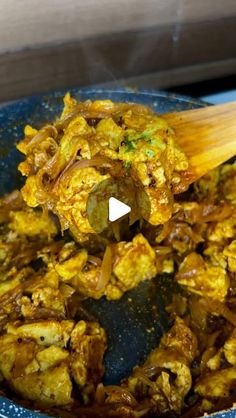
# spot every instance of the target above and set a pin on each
(117, 209)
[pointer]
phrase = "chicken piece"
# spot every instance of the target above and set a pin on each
(71, 267)
(49, 388)
(88, 342)
(32, 223)
(134, 262)
(202, 278)
(44, 332)
(230, 349)
(182, 339)
(230, 254)
(216, 384)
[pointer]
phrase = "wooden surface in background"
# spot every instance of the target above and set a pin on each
(153, 43)
(202, 50)
(31, 23)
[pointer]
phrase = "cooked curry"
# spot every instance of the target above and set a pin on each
(52, 358)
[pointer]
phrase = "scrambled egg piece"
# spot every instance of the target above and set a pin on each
(39, 365)
(202, 278)
(45, 333)
(164, 380)
(223, 230)
(217, 384)
(48, 388)
(51, 357)
(88, 342)
(230, 349)
(31, 223)
(135, 261)
(71, 267)
(181, 339)
(230, 254)
(129, 264)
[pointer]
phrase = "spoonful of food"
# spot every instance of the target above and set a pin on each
(99, 149)
(206, 135)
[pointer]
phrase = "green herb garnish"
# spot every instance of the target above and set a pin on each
(127, 165)
(150, 153)
(157, 142)
(129, 146)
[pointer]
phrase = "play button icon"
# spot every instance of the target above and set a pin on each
(118, 200)
(117, 209)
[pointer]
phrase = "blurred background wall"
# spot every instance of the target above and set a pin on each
(150, 43)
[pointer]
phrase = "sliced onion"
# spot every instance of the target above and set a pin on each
(98, 161)
(217, 307)
(66, 290)
(148, 371)
(106, 269)
(100, 394)
(145, 379)
(96, 261)
(162, 250)
(124, 394)
(43, 134)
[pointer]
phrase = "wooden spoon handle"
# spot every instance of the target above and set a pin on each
(207, 135)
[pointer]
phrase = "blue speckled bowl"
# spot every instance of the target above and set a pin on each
(133, 328)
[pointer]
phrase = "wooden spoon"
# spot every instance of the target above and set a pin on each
(207, 135)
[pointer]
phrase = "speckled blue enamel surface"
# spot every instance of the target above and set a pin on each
(134, 329)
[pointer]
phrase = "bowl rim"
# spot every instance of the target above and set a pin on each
(5, 106)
